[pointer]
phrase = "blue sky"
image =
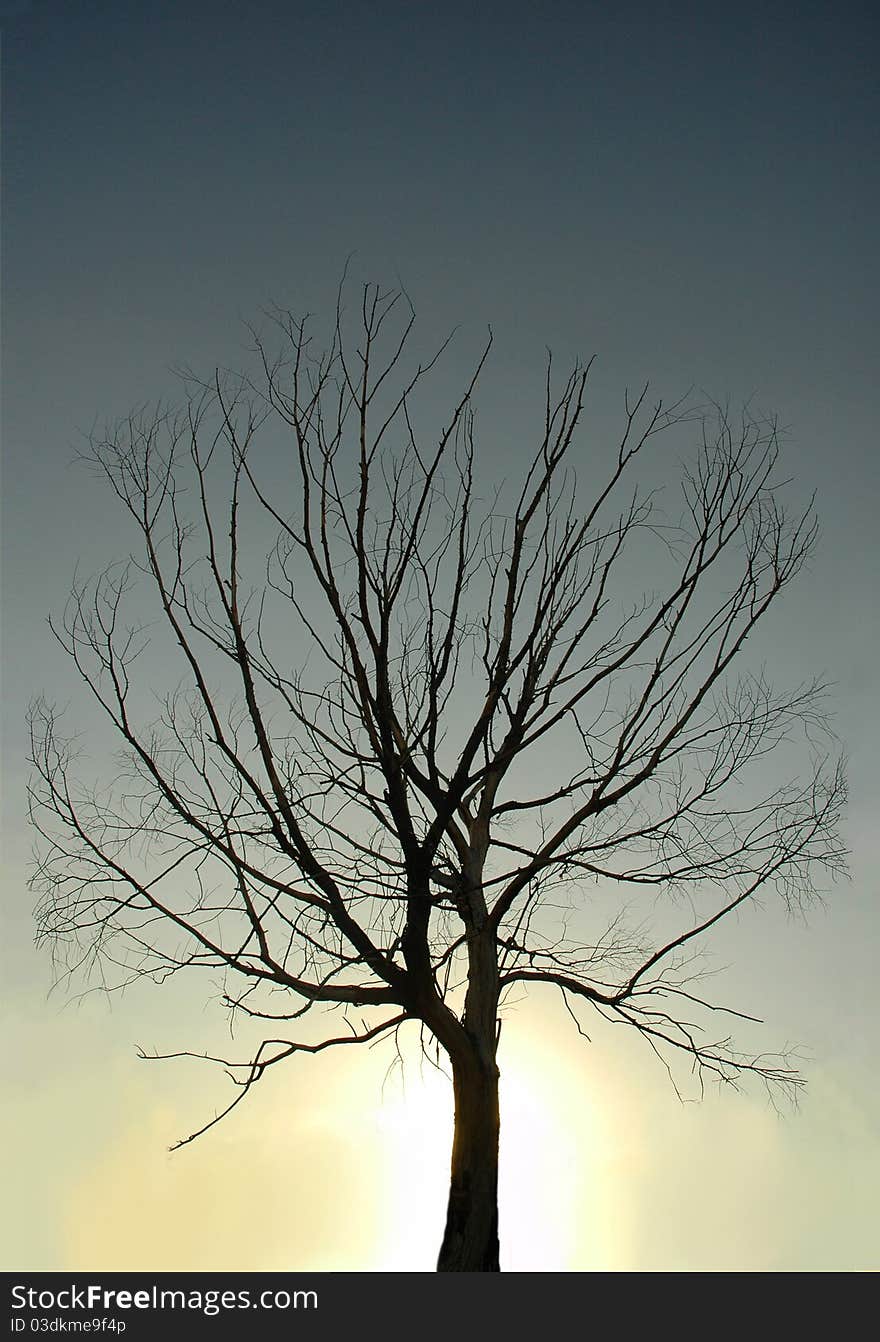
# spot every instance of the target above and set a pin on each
(692, 197)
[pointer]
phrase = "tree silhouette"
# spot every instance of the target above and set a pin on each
(411, 756)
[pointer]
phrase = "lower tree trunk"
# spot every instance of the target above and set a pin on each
(470, 1243)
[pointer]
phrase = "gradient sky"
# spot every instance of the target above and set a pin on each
(696, 201)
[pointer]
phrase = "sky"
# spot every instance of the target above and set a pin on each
(691, 197)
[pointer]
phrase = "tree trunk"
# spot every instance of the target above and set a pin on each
(470, 1243)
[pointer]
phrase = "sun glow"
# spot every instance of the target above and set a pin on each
(343, 1164)
(557, 1203)
(554, 1160)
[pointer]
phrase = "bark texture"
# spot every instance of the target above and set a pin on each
(470, 1243)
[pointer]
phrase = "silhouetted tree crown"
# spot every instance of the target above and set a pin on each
(405, 762)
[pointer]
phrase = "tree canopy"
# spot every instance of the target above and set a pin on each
(415, 747)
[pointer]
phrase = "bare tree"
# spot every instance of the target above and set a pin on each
(412, 757)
